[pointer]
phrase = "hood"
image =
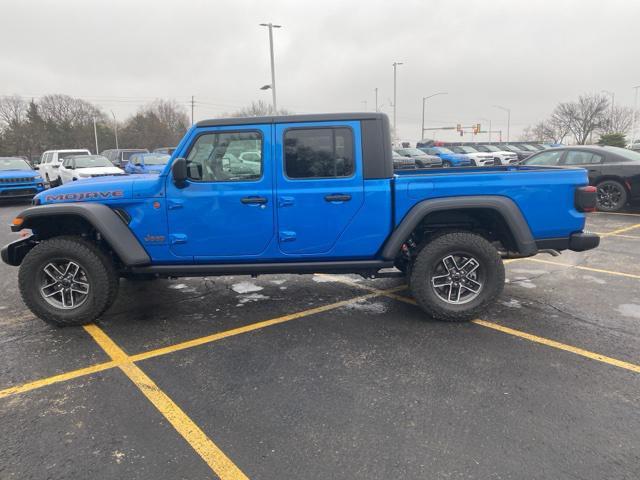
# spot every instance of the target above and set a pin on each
(104, 189)
(8, 174)
(99, 171)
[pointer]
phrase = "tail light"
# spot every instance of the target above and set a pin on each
(585, 198)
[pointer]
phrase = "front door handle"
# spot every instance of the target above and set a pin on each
(337, 197)
(253, 200)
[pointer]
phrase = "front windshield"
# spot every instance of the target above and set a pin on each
(469, 150)
(127, 155)
(491, 148)
(412, 151)
(13, 163)
(156, 159)
(91, 161)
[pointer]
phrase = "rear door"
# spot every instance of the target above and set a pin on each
(583, 158)
(319, 184)
(226, 208)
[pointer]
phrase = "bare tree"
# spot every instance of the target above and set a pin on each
(618, 120)
(159, 124)
(13, 111)
(258, 108)
(583, 117)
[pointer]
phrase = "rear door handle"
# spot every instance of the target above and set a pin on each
(337, 197)
(253, 200)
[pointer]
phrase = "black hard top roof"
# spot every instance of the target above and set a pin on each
(316, 117)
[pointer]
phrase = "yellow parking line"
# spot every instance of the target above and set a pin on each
(221, 465)
(636, 237)
(560, 346)
(247, 328)
(63, 377)
(534, 338)
(622, 230)
(184, 345)
(580, 267)
(616, 213)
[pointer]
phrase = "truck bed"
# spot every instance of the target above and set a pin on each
(543, 194)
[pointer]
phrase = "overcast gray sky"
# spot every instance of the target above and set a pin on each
(330, 55)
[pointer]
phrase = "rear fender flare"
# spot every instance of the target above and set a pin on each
(504, 206)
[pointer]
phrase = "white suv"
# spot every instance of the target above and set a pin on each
(80, 167)
(481, 159)
(51, 161)
(502, 157)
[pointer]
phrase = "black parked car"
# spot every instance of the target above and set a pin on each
(422, 159)
(614, 171)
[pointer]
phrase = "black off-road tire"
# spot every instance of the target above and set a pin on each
(100, 271)
(425, 265)
(611, 187)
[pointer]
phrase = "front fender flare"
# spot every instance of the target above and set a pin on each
(504, 206)
(115, 232)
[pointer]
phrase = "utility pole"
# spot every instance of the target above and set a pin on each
(395, 77)
(424, 99)
(635, 115)
(192, 107)
(508, 110)
(613, 98)
(115, 127)
(95, 134)
(271, 26)
(376, 90)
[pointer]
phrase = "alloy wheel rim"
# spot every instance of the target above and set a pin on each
(457, 279)
(609, 196)
(64, 284)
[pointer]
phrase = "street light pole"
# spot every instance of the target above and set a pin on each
(95, 134)
(271, 26)
(635, 115)
(376, 90)
(115, 127)
(395, 68)
(424, 99)
(508, 110)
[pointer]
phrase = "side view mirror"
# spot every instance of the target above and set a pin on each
(179, 172)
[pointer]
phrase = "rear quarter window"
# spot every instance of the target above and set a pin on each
(319, 153)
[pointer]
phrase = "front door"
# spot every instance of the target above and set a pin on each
(320, 185)
(226, 207)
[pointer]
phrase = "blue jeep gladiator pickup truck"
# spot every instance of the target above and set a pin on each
(295, 194)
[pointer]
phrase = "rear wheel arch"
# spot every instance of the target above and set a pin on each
(493, 217)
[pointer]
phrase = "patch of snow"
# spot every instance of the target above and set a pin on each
(593, 279)
(368, 307)
(278, 282)
(178, 286)
(629, 310)
(252, 297)
(512, 303)
(245, 287)
(118, 455)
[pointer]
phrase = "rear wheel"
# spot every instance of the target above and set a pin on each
(67, 281)
(456, 276)
(611, 196)
(446, 164)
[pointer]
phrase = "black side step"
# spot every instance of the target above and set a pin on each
(368, 267)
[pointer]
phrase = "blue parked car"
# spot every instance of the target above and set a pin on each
(449, 157)
(147, 163)
(18, 179)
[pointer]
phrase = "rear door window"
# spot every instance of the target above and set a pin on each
(319, 153)
(578, 157)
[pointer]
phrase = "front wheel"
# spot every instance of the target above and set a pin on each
(446, 164)
(611, 196)
(67, 281)
(456, 276)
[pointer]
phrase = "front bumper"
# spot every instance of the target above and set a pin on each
(13, 253)
(20, 191)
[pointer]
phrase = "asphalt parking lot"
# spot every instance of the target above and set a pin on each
(316, 377)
